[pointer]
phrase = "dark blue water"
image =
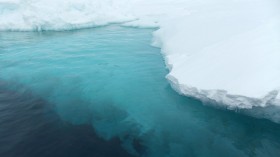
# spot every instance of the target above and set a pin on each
(29, 127)
(102, 92)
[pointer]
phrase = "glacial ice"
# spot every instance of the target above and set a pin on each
(225, 52)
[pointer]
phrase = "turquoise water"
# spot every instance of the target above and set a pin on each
(112, 79)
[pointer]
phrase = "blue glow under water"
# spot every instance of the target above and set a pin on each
(102, 92)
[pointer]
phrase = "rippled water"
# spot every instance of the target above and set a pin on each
(103, 92)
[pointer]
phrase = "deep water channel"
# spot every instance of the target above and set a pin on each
(102, 92)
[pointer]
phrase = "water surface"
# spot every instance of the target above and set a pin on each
(103, 92)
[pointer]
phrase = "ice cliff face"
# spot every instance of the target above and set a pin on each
(226, 52)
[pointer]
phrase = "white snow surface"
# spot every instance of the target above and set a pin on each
(223, 51)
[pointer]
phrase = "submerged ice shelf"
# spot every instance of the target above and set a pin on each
(111, 78)
(220, 51)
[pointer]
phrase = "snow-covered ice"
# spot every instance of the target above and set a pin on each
(227, 52)
(38, 15)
